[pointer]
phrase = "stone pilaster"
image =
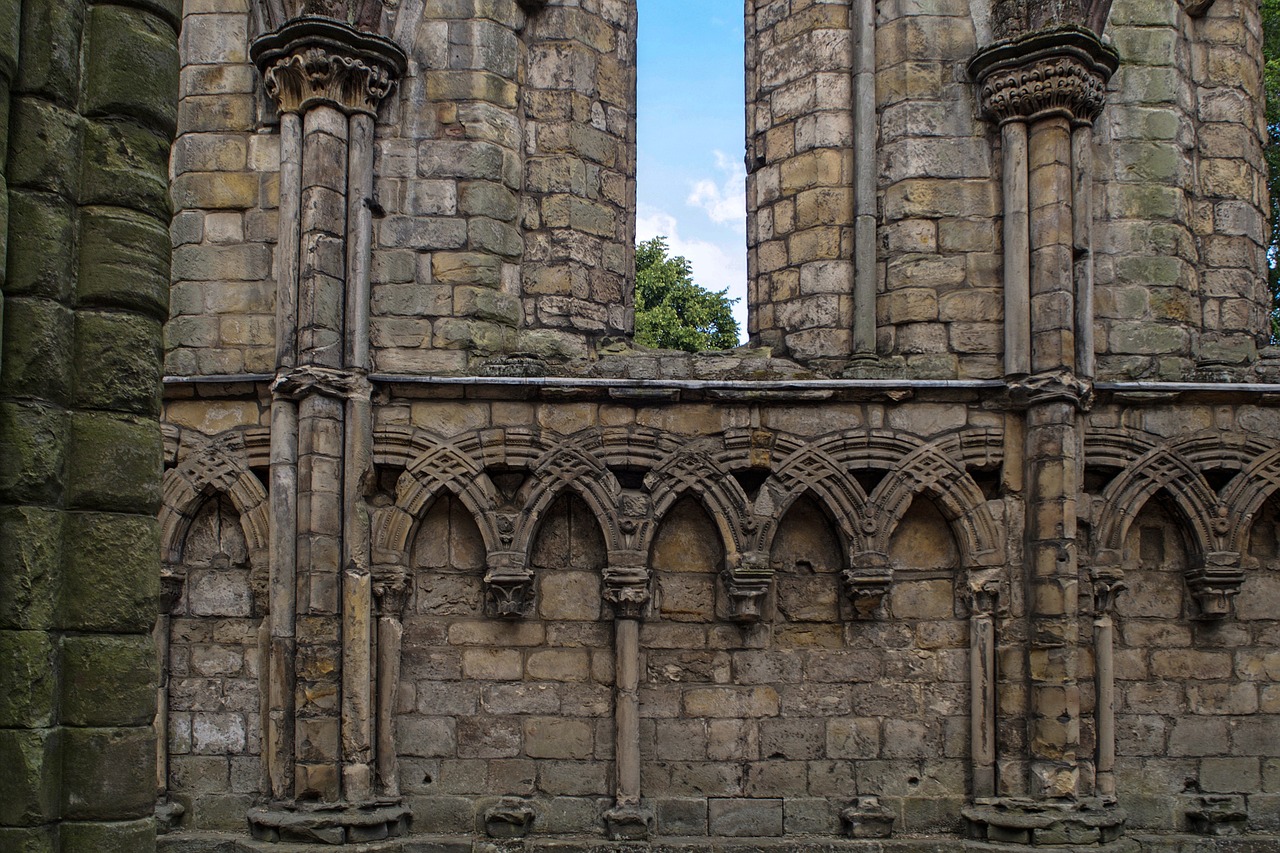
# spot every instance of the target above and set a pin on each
(1043, 88)
(328, 81)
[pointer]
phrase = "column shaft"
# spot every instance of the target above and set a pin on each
(1017, 251)
(1050, 181)
(982, 686)
(627, 710)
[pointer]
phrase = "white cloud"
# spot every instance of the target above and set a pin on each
(719, 265)
(725, 203)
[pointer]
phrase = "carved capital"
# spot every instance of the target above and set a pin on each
(1108, 583)
(867, 584)
(1214, 581)
(627, 589)
(1061, 71)
(391, 587)
(509, 587)
(316, 60)
(984, 598)
(172, 581)
(747, 582)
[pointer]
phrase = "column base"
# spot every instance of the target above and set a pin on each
(1036, 823)
(628, 823)
(329, 823)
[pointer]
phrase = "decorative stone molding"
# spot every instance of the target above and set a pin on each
(747, 583)
(1065, 825)
(627, 589)
(1054, 385)
(1214, 581)
(329, 823)
(868, 583)
(391, 588)
(509, 587)
(1060, 71)
(316, 60)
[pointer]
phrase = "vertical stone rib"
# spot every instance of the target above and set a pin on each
(357, 604)
(982, 689)
(1082, 197)
(864, 190)
(1017, 251)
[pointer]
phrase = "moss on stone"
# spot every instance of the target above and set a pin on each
(37, 349)
(118, 362)
(29, 565)
(124, 261)
(93, 788)
(44, 146)
(26, 661)
(127, 166)
(131, 67)
(42, 262)
(114, 463)
(108, 680)
(50, 50)
(29, 783)
(112, 573)
(33, 446)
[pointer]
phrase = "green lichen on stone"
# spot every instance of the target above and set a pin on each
(118, 362)
(127, 166)
(26, 659)
(42, 262)
(131, 67)
(45, 144)
(108, 680)
(114, 463)
(33, 447)
(50, 49)
(93, 788)
(114, 837)
(112, 577)
(37, 349)
(29, 564)
(124, 261)
(29, 783)
(10, 34)
(38, 839)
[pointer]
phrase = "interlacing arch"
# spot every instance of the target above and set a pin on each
(585, 464)
(1214, 522)
(202, 467)
(431, 464)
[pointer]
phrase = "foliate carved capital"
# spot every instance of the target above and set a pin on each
(1108, 583)
(314, 60)
(509, 587)
(747, 581)
(984, 598)
(1214, 581)
(868, 583)
(391, 587)
(627, 589)
(1061, 71)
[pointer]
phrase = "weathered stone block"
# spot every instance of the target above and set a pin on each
(127, 166)
(43, 262)
(119, 41)
(111, 579)
(741, 818)
(27, 661)
(118, 362)
(108, 680)
(114, 463)
(92, 786)
(37, 349)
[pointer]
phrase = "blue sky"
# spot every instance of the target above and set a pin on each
(691, 181)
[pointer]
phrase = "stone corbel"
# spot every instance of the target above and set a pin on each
(509, 587)
(627, 589)
(747, 582)
(1108, 583)
(1214, 581)
(172, 581)
(1052, 385)
(868, 818)
(512, 817)
(868, 583)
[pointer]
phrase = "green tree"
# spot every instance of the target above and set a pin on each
(672, 311)
(1271, 54)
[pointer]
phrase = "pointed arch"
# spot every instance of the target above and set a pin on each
(568, 464)
(205, 466)
(431, 465)
(694, 470)
(812, 470)
(1244, 497)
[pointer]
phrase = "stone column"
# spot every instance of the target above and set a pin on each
(391, 585)
(328, 81)
(983, 597)
(1107, 586)
(1053, 83)
(627, 589)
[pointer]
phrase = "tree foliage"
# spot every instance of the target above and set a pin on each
(1271, 54)
(672, 311)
